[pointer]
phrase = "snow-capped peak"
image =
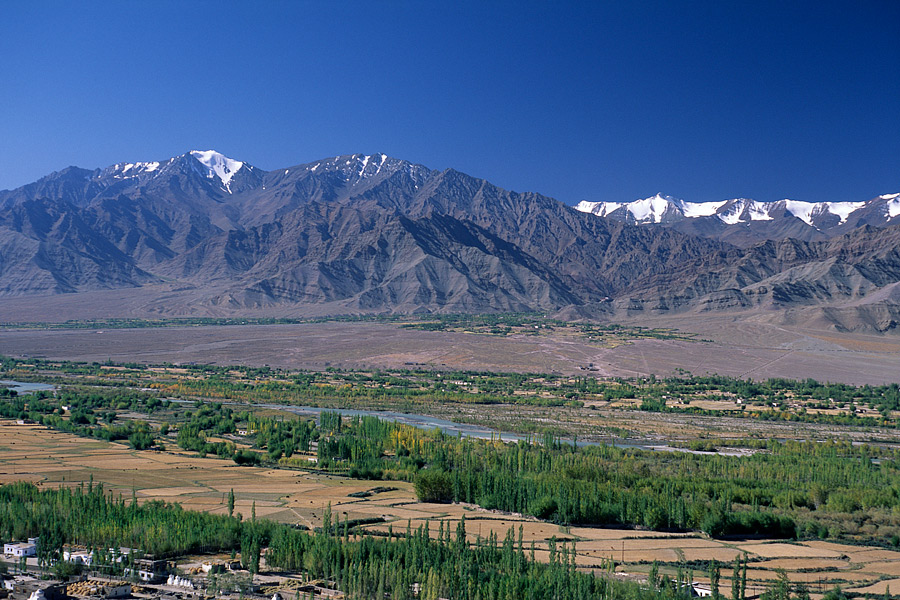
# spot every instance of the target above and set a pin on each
(806, 211)
(218, 166)
(651, 210)
(654, 209)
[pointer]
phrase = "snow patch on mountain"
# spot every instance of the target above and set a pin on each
(807, 211)
(892, 206)
(701, 209)
(131, 170)
(356, 167)
(744, 210)
(843, 209)
(734, 209)
(801, 210)
(370, 164)
(600, 209)
(758, 211)
(218, 166)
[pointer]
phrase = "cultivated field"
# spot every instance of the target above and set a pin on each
(48, 458)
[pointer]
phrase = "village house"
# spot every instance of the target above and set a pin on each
(21, 549)
(149, 570)
(78, 557)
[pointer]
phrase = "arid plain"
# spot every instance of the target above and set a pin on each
(722, 345)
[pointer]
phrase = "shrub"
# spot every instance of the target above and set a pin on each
(247, 457)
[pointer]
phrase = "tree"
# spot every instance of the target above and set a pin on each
(714, 579)
(231, 503)
(736, 580)
(140, 440)
(835, 593)
(653, 577)
(63, 569)
(434, 485)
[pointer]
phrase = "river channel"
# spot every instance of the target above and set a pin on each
(476, 431)
(422, 421)
(23, 387)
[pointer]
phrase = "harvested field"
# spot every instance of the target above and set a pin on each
(783, 550)
(812, 577)
(884, 568)
(792, 564)
(877, 588)
(856, 554)
(867, 556)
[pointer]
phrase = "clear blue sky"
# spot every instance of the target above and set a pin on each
(577, 100)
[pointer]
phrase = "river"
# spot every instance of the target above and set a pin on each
(22, 387)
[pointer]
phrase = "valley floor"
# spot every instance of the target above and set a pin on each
(725, 346)
(50, 459)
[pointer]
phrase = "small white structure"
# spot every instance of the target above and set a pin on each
(78, 557)
(214, 568)
(177, 581)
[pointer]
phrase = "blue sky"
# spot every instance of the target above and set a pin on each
(591, 101)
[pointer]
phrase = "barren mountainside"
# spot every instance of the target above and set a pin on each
(377, 234)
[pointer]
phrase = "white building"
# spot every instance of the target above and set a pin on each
(20, 549)
(9, 583)
(82, 557)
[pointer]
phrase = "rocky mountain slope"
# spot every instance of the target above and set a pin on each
(370, 233)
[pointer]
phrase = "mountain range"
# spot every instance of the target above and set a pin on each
(745, 222)
(202, 233)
